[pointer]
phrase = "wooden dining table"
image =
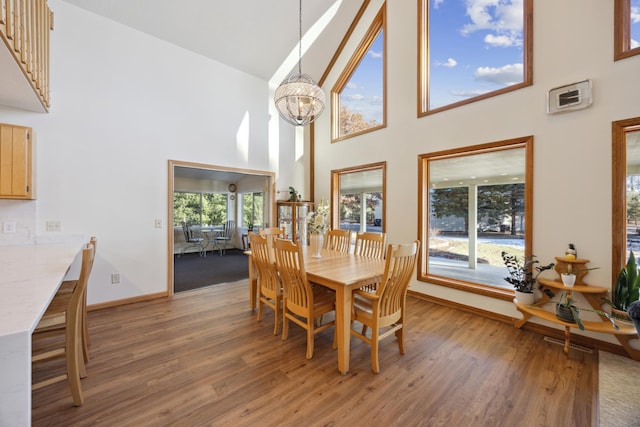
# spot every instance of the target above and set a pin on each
(342, 272)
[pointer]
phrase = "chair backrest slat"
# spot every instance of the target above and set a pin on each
(290, 265)
(400, 265)
(371, 245)
(338, 240)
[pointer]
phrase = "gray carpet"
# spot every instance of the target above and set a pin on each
(191, 271)
(619, 389)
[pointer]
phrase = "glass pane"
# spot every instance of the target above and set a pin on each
(633, 192)
(361, 100)
(474, 48)
(357, 186)
(634, 17)
(186, 208)
(476, 211)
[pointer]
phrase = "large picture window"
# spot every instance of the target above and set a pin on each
(199, 209)
(626, 29)
(471, 50)
(358, 98)
(252, 210)
(475, 202)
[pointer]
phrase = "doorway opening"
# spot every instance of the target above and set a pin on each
(208, 200)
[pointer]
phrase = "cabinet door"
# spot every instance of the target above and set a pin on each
(15, 162)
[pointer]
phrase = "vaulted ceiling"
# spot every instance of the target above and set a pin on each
(254, 36)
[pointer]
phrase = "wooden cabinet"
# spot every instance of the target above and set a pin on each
(292, 217)
(15, 162)
(593, 295)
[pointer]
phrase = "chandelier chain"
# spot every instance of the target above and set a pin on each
(300, 37)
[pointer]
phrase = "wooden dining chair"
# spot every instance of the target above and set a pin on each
(66, 309)
(67, 287)
(370, 245)
(302, 303)
(269, 287)
(271, 234)
(338, 240)
(384, 311)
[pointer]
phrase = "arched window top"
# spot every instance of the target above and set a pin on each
(358, 97)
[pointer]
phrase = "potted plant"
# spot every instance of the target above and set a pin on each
(626, 290)
(567, 310)
(569, 277)
(521, 276)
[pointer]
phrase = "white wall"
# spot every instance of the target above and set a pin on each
(123, 104)
(572, 151)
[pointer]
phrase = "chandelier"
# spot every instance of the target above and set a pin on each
(299, 99)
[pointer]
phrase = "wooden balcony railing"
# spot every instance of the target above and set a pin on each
(24, 29)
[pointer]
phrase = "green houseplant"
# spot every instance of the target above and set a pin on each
(521, 275)
(626, 290)
(567, 310)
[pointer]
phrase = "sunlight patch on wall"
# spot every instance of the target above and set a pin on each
(309, 37)
(242, 138)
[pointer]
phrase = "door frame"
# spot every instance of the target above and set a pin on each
(271, 184)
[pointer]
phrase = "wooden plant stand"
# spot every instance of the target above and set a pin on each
(593, 295)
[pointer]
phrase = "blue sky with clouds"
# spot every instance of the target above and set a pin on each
(476, 46)
(363, 92)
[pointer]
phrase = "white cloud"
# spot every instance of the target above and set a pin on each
(449, 64)
(635, 15)
(355, 97)
(468, 93)
(353, 86)
(505, 76)
(437, 3)
(375, 55)
(502, 17)
(634, 44)
(504, 40)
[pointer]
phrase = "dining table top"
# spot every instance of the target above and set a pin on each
(341, 269)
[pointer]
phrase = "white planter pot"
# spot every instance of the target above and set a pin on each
(525, 298)
(568, 280)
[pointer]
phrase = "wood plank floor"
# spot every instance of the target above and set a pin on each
(202, 359)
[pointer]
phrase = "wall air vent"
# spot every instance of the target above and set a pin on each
(575, 96)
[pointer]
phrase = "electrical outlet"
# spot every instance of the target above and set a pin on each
(115, 278)
(9, 227)
(158, 223)
(54, 226)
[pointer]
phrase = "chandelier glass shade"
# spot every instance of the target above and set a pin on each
(299, 100)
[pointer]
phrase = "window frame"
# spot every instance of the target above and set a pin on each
(378, 24)
(622, 31)
(619, 130)
(423, 61)
(335, 190)
(526, 143)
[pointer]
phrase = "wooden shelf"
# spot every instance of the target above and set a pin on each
(594, 295)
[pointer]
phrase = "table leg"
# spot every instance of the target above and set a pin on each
(343, 327)
(253, 285)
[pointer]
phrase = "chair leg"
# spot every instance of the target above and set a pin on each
(310, 338)
(85, 332)
(400, 338)
(285, 325)
(375, 366)
(259, 316)
(276, 316)
(72, 350)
